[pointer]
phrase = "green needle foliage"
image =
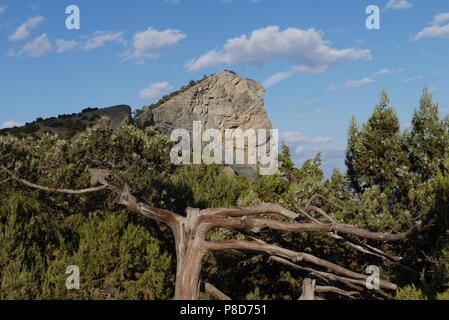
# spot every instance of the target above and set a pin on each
(393, 178)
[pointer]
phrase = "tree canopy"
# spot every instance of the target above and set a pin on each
(394, 179)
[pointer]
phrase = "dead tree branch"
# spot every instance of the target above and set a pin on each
(213, 291)
(190, 233)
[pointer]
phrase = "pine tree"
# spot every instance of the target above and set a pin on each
(287, 167)
(351, 154)
(375, 154)
(428, 139)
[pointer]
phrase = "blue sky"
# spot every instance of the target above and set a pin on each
(318, 61)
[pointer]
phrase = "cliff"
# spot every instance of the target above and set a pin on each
(221, 101)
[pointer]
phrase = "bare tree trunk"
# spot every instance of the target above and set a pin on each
(189, 239)
(214, 292)
(188, 269)
(308, 289)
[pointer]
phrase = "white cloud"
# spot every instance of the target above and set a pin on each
(313, 101)
(172, 1)
(358, 83)
(100, 38)
(398, 4)
(11, 124)
(434, 32)
(305, 148)
(3, 9)
(151, 42)
(382, 71)
(93, 41)
(299, 149)
(295, 137)
(332, 87)
(412, 78)
(275, 78)
(386, 71)
(319, 111)
(206, 60)
(23, 31)
(441, 18)
(272, 80)
(350, 84)
(437, 28)
(156, 90)
(35, 48)
(306, 47)
(38, 47)
(310, 69)
(64, 45)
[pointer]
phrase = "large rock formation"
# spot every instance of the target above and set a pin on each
(221, 101)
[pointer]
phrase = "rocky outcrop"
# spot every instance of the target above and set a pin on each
(221, 101)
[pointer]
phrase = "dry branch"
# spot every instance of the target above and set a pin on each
(292, 255)
(214, 292)
(336, 290)
(190, 233)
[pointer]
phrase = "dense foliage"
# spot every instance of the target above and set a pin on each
(393, 179)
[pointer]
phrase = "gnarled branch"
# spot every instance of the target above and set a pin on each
(213, 291)
(291, 255)
(190, 232)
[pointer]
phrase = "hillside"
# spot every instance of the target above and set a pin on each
(69, 125)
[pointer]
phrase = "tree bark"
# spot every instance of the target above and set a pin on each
(189, 238)
(308, 289)
(214, 292)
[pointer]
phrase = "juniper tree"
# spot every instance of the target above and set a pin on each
(138, 179)
(428, 138)
(376, 155)
(352, 154)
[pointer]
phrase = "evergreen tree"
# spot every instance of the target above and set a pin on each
(428, 139)
(375, 154)
(351, 154)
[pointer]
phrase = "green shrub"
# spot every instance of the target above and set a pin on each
(410, 292)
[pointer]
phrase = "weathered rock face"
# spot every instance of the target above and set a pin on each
(222, 101)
